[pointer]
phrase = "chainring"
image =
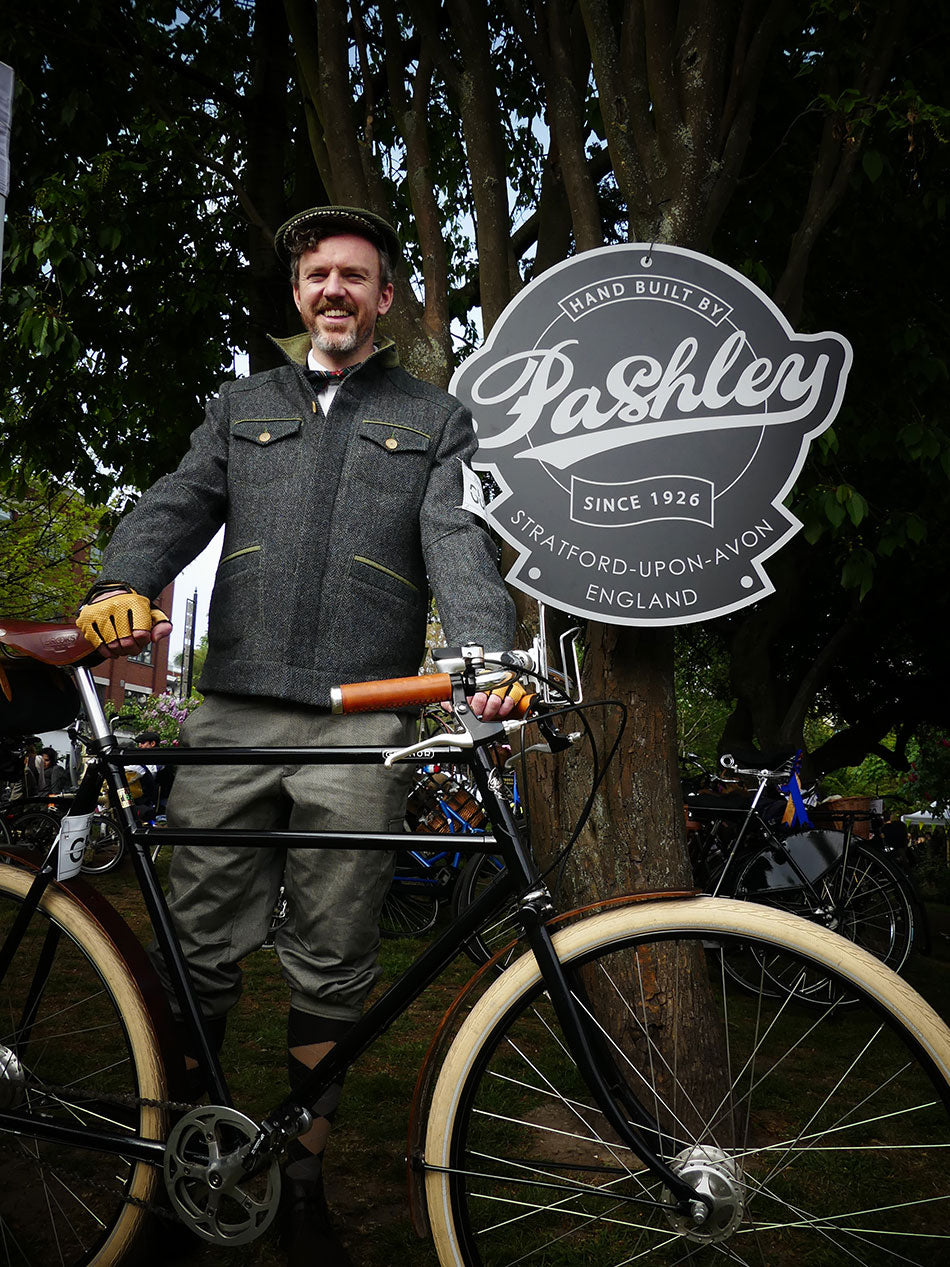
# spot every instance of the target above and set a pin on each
(207, 1185)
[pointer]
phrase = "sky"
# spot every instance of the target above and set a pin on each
(198, 575)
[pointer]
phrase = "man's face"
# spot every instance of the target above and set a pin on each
(339, 297)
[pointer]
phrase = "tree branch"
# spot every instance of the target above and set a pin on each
(838, 152)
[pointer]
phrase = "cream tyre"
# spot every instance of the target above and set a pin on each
(847, 1167)
(89, 1055)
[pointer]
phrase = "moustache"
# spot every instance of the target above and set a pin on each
(324, 306)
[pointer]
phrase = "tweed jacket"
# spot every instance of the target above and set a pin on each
(335, 528)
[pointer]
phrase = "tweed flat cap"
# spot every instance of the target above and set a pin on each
(322, 222)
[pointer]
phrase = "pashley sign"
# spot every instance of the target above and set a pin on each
(644, 411)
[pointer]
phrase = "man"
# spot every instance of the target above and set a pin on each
(339, 479)
(33, 781)
(147, 806)
(57, 779)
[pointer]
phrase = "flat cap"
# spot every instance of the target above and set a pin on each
(323, 222)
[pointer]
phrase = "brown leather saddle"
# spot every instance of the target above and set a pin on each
(34, 695)
(53, 644)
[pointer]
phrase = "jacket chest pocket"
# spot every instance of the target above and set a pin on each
(264, 450)
(390, 456)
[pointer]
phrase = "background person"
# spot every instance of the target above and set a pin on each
(146, 807)
(339, 480)
(57, 778)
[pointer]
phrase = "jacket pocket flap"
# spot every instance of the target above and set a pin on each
(264, 431)
(394, 437)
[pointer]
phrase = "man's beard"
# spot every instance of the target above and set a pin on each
(331, 343)
(338, 341)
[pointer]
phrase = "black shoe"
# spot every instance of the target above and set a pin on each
(307, 1235)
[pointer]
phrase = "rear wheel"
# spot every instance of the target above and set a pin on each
(861, 898)
(77, 1047)
(105, 845)
(819, 1133)
(34, 832)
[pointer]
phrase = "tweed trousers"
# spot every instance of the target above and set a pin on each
(221, 897)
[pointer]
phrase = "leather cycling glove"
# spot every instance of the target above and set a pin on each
(108, 619)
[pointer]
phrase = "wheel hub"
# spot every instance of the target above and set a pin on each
(206, 1181)
(714, 1174)
(12, 1080)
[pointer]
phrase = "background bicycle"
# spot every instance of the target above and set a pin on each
(443, 803)
(740, 847)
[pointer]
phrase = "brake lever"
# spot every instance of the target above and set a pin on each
(461, 740)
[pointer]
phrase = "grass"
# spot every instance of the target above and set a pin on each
(366, 1169)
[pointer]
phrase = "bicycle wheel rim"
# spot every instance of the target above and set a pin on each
(477, 874)
(860, 899)
(843, 1168)
(407, 913)
(87, 1058)
(877, 911)
(106, 847)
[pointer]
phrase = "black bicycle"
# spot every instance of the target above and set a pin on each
(608, 1097)
(740, 847)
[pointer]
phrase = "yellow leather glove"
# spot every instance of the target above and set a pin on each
(520, 698)
(115, 616)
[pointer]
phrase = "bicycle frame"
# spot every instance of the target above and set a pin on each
(292, 1115)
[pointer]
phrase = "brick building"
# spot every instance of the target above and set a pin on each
(144, 674)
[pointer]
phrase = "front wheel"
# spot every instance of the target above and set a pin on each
(474, 878)
(820, 1134)
(77, 1047)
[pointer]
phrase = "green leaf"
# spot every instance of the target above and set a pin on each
(858, 571)
(916, 529)
(834, 510)
(873, 165)
(857, 508)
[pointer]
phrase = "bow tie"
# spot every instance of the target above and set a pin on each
(320, 378)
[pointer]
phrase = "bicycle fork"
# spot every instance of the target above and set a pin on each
(642, 1135)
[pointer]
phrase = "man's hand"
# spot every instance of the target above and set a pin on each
(121, 623)
(500, 703)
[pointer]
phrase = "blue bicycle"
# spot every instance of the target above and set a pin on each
(441, 803)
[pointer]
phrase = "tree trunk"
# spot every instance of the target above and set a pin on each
(635, 837)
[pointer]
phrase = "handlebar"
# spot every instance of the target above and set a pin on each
(479, 671)
(390, 693)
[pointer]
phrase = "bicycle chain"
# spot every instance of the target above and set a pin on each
(65, 1094)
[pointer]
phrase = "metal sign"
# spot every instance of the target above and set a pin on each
(645, 410)
(188, 660)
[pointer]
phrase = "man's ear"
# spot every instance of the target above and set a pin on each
(297, 296)
(385, 300)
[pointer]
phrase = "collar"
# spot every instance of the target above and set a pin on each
(297, 347)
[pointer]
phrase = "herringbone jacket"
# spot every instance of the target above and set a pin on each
(335, 528)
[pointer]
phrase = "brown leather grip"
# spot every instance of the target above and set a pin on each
(399, 692)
